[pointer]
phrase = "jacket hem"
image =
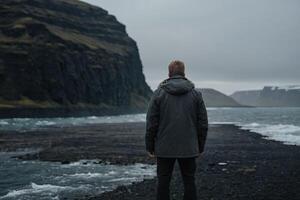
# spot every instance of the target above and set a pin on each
(176, 156)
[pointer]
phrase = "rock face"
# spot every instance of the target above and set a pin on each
(270, 96)
(249, 97)
(214, 98)
(67, 54)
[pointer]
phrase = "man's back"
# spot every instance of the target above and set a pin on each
(176, 119)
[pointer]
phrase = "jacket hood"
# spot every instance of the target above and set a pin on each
(177, 85)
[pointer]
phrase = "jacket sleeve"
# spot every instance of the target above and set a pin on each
(152, 122)
(202, 122)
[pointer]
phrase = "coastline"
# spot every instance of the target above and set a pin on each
(71, 111)
(237, 164)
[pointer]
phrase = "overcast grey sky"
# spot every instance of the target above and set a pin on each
(226, 44)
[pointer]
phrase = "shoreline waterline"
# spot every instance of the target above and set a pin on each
(280, 124)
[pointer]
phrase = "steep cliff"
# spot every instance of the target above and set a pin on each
(67, 54)
(214, 98)
(272, 96)
(280, 96)
(248, 97)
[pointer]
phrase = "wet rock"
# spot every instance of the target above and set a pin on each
(65, 162)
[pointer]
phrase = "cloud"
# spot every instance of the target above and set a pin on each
(230, 41)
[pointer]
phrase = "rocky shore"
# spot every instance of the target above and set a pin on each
(237, 164)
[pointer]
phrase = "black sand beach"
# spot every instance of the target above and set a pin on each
(237, 164)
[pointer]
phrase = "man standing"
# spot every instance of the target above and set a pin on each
(176, 129)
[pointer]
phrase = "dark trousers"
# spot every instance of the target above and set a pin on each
(164, 173)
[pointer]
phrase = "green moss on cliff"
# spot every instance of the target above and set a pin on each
(26, 102)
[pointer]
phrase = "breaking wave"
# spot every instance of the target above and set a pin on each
(286, 133)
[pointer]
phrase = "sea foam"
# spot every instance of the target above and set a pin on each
(286, 133)
(35, 189)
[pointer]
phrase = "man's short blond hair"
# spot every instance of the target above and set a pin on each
(176, 67)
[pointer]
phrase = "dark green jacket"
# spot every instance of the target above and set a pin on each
(176, 120)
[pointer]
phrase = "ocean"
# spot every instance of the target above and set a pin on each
(36, 180)
(281, 124)
(24, 180)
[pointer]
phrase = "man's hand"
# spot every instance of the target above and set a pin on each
(151, 154)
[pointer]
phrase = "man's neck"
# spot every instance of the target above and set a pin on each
(176, 76)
